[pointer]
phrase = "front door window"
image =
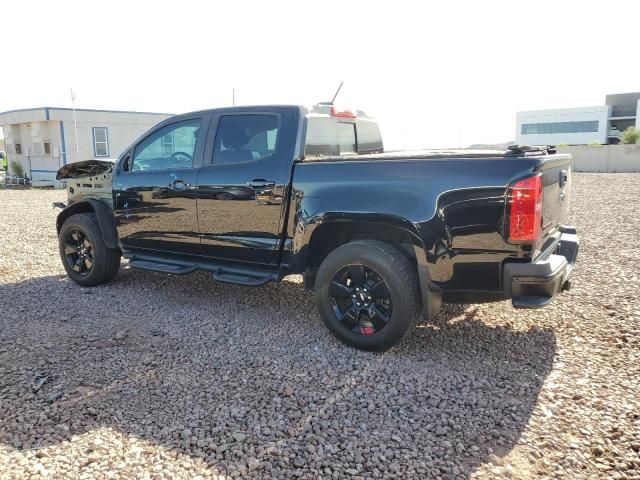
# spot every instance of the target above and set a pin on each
(170, 147)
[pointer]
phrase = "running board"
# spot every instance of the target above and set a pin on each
(238, 275)
(162, 267)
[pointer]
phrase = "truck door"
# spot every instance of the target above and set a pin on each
(155, 188)
(241, 186)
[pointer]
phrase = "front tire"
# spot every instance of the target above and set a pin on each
(87, 260)
(367, 294)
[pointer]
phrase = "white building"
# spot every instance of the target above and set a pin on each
(580, 126)
(44, 139)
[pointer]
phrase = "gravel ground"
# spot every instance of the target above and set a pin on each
(178, 377)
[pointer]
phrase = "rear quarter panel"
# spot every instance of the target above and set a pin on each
(455, 207)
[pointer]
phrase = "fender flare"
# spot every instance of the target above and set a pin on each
(104, 214)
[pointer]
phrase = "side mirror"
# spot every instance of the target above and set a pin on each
(125, 164)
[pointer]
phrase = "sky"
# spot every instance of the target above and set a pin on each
(434, 74)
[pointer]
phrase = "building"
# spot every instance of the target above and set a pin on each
(43, 139)
(580, 126)
(624, 113)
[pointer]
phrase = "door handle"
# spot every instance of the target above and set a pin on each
(261, 183)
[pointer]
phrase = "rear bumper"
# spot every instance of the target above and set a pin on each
(535, 284)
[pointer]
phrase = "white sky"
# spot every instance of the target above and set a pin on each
(435, 74)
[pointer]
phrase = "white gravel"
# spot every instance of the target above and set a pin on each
(154, 376)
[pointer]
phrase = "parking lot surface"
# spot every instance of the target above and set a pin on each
(155, 376)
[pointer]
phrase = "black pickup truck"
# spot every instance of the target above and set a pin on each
(253, 194)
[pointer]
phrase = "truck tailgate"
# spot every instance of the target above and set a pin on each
(556, 184)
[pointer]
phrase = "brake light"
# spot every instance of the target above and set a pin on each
(525, 209)
(342, 113)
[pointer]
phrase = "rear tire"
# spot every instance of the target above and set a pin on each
(367, 294)
(87, 260)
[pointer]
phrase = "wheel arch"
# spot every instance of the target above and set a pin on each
(329, 232)
(106, 219)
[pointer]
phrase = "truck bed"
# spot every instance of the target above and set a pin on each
(455, 200)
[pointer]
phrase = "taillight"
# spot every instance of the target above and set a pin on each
(525, 209)
(342, 113)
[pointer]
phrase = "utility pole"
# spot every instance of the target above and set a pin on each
(233, 97)
(75, 121)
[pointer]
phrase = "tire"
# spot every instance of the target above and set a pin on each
(99, 264)
(338, 295)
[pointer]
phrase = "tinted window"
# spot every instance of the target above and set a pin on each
(328, 136)
(243, 138)
(173, 146)
(559, 127)
(346, 138)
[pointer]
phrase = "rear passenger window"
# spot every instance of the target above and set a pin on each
(244, 138)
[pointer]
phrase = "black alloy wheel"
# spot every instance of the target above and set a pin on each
(360, 299)
(367, 294)
(86, 258)
(78, 251)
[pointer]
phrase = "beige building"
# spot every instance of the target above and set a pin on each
(44, 139)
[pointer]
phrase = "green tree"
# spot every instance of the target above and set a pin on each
(17, 169)
(630, 136)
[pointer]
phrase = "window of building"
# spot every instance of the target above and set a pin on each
(168, 144)
(560, 127)
(18, 149)
(100, 141)
(243, 138)
(152, 154)
(47, 148)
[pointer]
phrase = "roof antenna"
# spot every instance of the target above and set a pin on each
(336, 95)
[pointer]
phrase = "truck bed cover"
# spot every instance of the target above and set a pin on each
(438, 154)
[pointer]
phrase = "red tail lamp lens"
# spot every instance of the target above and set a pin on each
(525, 209)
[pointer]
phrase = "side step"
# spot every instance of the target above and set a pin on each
(162, 267)
(238, 275)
